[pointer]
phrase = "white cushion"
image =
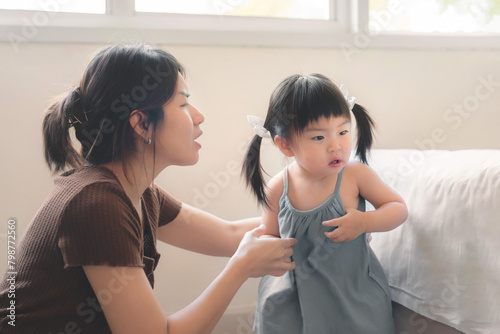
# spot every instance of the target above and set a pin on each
(444, 261)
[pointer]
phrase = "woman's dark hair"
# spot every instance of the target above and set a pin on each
(297, 101)
(118, 80)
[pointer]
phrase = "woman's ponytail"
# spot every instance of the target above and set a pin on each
(58, 150)
(252, 170)
(365, 126)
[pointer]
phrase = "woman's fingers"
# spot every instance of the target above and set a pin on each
(258, 231)
(278, 247)
(288, 242)
(283, 266)
(284, 262)
(263, 255)
(288, 252)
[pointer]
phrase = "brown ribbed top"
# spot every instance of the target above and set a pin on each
(87, 219)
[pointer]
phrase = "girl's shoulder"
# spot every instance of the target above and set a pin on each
(274, 189)
(353, 180)
(355, 168)
(276, 183)
(360, 173)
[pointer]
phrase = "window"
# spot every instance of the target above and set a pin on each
(435, 16)
(296, 23)
(87, 6)
(345, 24)
(291, 9)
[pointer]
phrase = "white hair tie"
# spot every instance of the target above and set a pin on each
(258, 126)
(351, 100)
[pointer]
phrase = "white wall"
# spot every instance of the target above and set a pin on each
(410, 94)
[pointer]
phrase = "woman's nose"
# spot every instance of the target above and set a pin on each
(196, 115)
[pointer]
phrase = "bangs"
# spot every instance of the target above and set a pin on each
(316, 96)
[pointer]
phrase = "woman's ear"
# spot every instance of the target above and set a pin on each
(140, 124)
(284, 146)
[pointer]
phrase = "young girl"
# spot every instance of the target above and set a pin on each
(338, 285)
(86, 262)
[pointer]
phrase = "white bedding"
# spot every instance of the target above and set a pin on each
(444, 261)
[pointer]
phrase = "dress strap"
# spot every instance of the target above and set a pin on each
(339, 180)
(285, 181)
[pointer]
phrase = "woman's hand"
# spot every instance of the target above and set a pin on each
(350, 226)
(259, 255)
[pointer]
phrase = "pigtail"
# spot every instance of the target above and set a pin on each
(365, 127)
(252, 170)
(58, 150)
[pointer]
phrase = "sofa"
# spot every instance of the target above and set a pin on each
(443, 263)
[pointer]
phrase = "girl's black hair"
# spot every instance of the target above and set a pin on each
(118, 80)
(297, 101)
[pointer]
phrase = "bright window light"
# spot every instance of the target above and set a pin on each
(71, 6)
(435, 16)
(292, 9)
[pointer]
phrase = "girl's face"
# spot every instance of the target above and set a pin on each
(175, 143)
(324, 147)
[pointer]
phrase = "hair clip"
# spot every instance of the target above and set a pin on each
(351, 100)
(258, 126)
(73, 122)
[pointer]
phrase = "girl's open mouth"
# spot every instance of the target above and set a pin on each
(335, 162)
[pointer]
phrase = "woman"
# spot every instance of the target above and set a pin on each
(86, 262)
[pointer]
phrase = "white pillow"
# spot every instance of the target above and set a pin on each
(444, 261)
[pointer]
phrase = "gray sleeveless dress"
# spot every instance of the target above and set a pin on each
(336, 288)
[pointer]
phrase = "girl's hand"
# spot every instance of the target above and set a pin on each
(264, 256)
(350, 226)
